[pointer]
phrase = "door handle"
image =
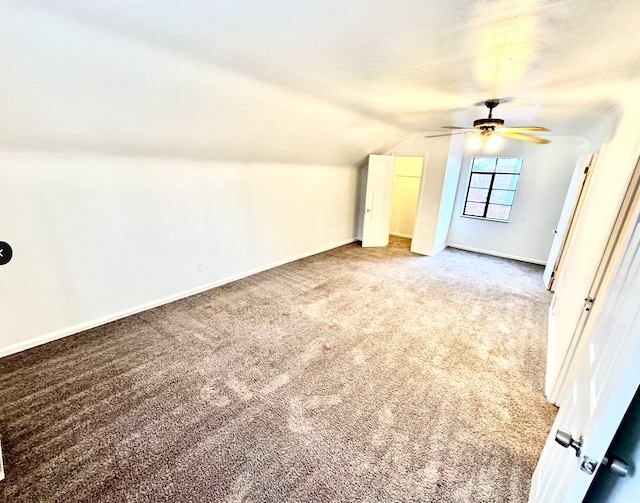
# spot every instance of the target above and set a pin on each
(616, 465)
(565, 439)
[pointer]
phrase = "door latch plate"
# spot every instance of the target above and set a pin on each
(589, 465)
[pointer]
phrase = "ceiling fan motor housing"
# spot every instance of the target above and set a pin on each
(488, 124)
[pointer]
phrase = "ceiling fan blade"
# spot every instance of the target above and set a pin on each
(458, 127)
(526, 129)
(445, 134)
(524, 137)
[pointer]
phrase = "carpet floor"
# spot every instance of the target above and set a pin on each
(354, 375)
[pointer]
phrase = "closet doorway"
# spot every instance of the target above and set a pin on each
(391, 199)
(404, 197)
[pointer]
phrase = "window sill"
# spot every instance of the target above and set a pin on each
(486, 219)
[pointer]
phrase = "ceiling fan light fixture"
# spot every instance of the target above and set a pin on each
(494, 142)
(475, 141)
(490, 131)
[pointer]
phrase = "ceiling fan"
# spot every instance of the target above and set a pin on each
(485, 128)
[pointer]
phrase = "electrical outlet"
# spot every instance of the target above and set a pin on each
(200, 267)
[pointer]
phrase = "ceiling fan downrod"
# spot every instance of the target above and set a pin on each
(489, 124)
(491, 104)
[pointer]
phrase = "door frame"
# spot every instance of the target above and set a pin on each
(386, 191)
(419, 194)
(615, 247)
(565, 229)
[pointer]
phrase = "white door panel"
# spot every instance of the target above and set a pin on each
(605, 380)
(377, 211)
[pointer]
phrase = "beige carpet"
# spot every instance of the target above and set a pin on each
(353, 375)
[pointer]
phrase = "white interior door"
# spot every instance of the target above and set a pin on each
(604, 383)
(566, 347)
(571, 208)
(377, 210)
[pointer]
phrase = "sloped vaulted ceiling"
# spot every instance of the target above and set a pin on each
(314, 81)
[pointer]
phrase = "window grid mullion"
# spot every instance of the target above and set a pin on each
(484, 211)
(486, 205)
(466, 199)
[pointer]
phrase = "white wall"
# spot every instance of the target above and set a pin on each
(97, 237)
(543, 184)
(449, 189)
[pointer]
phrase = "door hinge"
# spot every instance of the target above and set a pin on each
(586, 170)
(588, 303)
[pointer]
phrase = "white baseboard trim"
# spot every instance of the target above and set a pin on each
(497, 254)
(409, 236)
(81, 327)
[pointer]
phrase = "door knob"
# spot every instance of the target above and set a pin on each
(616, 465)
(565, 439)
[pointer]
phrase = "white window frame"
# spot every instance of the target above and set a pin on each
(490, 189)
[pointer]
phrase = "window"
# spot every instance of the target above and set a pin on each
(492, 186)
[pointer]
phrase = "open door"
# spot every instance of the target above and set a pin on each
(572, 206)
(559, 377)
(377, 210)
(604, 383)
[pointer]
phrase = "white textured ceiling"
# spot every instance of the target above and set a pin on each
(318, 81)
